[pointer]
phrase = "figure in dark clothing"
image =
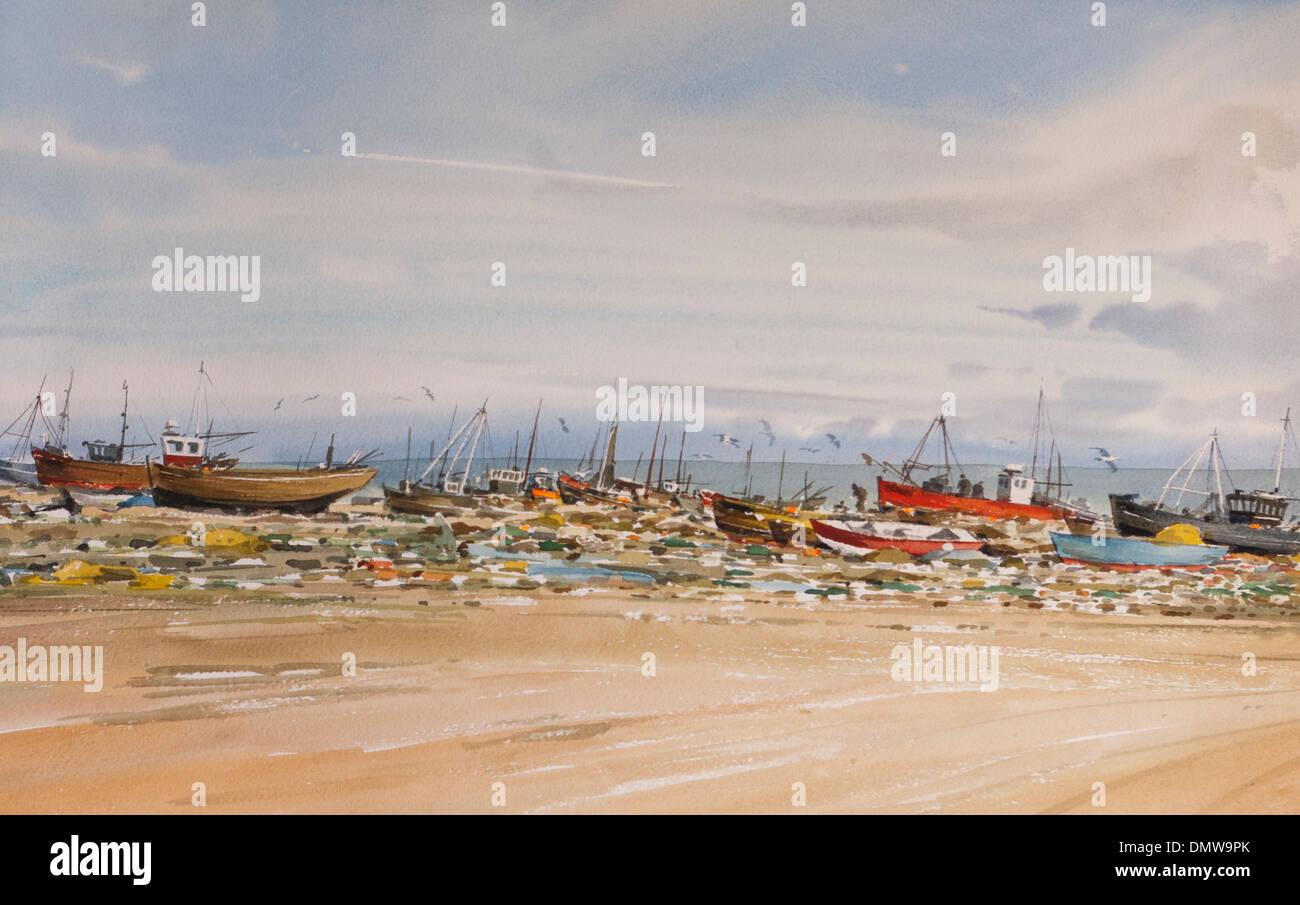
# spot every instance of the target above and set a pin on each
(978, 490)
(860, 498)
(963, 486)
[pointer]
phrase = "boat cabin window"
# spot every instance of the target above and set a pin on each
(194, 447)
(175, 445)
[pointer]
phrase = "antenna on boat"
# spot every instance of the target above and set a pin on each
(1281, 450)
(531, 440)
(406, 472)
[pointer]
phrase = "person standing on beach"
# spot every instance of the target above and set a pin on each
(963, 486)
(860, 498)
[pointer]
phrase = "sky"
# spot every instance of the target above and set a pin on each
(774, 144)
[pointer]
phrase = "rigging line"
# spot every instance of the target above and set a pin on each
(220, 399)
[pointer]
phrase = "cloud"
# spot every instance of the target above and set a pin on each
(125, 73)
(1053, 317)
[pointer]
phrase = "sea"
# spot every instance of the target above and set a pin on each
(1094, 485)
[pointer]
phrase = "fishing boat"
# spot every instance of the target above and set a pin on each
(252, 489)
(451, 492)
(16, 467)
(1130, 553)
(1019, 495)
(1247, 522)
(858, 536)
(604, 486)
(749, 522)
(103, 468)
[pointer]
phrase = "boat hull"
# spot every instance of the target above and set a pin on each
(907, 496)
(1133, 518)
(1132, 553)
(55, 470)
(424, 501)
(844, 538)
(18, 473)
(252, 489)
(751, 523)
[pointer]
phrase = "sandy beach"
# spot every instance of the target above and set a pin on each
(512, 675)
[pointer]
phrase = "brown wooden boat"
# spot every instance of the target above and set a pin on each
(750, 522)
(60, 470)
(287, 489)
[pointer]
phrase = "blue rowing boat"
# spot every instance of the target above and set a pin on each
(1134, 553)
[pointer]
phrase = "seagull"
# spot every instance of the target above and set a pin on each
(767, 432)
(701, 456)
(564, 427)
(1006, 441)
(728, 439)
(428, 392)
(1105, 457)
(834, 441)
(310, 398)
(403, 398)
(278, 404)
(808, 449)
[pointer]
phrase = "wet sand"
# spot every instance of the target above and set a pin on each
(542, 689)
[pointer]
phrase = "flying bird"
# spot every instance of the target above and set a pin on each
(278, 404)
(403, 398)
(727, 439)
(1006, 441)
(701, 456)
(767, 432)
(1105, 456)
(564, 427)
(428, 392)
(310, 398)
(808, 449)
(834, 441)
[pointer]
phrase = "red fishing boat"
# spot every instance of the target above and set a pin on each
(1019, 495)
(854, 537)
(104, 468)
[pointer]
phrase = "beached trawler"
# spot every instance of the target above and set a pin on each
(16, 467)
(749, 522)
(253, 489)
(1179, 546)
(103, 467)
(603, 486)
(452, 493)
(1019, 495)
(1249, 522)
(857, 537)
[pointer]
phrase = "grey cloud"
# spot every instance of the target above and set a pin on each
(1053, 317)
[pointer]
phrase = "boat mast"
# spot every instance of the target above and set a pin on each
(748, 485)
(605, 479)
(680, 453)
(441, 456)
(469, 463)
(1281, 451)
(649, 472)
(63, 416)
(406, 472)
(121, 446)
(1038, 421)
(529, 464)
(1216, 457)
(663, 454)
(780, 481)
